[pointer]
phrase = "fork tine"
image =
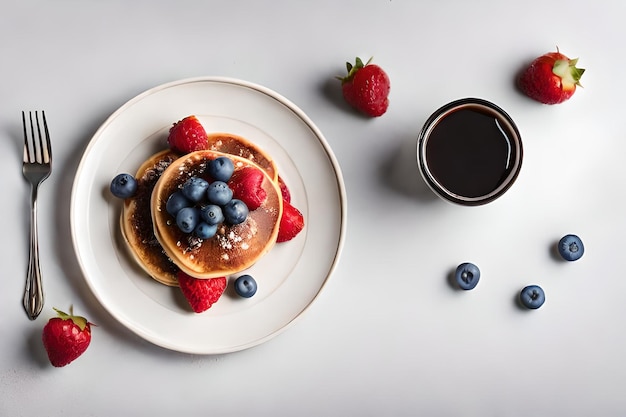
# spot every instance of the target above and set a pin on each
(47, 151)
(38, 149)
(32, 143)
(26, 143)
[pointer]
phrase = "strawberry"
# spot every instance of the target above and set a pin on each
(551, 78)
(247, 186)
(366, 88)
(284, 190)
(187, 135)
(66, 337)
(201, 293)
(291, 223)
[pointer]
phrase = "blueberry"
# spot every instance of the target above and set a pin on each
(532, 296)
(123, 186)
(204, 230)
(467, 275)
(187, 219)
(195, 188)
(219, 193)
(571, 248)
(245, 286)
(212, 214)
(176, 202)
(235, 211)
(221, 168)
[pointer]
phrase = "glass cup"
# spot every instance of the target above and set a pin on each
(469, 152)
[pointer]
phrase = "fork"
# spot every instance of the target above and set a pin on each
(36, 168)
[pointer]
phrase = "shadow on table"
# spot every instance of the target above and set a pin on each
(401, 172)
(330, 87)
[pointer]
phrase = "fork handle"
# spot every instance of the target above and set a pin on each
(33, 294)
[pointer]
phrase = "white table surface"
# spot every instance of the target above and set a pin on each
(389, 336)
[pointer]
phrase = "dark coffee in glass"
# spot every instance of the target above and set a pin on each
(469, 152)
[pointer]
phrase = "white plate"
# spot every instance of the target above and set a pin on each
(290, 277)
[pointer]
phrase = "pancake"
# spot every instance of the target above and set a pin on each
(136, 221)
(239, 146)
(234, 247)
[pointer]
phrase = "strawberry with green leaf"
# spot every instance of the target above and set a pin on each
(366, 88)
(66, 337)
(551, 78)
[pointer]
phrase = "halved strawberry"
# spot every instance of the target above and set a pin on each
(187, 135)
(284, 190)
(201, 293)
(247, 186)
(291, 223)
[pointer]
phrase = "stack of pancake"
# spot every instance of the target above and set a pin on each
(159, 246)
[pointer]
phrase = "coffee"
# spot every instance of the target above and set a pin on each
(470, 152)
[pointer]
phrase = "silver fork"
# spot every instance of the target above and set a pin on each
(36, 168)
